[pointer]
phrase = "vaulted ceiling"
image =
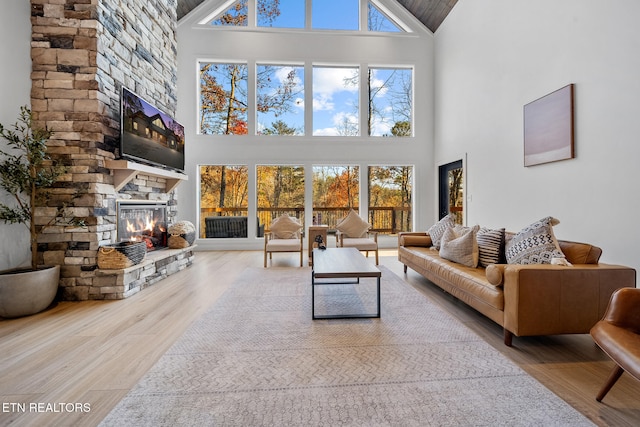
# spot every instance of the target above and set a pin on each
(430, 12)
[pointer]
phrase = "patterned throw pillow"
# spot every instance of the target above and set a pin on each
(491, 246)
(535, 244)
(458, 244)
(437, 230)
(353, 226)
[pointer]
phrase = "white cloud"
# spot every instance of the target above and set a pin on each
(380, 129)
(342, 118)
(344, 124)
(326, 132)
(328, 81)
(322, 103)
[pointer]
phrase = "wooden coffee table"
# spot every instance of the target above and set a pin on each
(341, 263)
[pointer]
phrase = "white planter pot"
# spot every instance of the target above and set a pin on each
(23, 293)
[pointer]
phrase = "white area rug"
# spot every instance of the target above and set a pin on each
(257, 359)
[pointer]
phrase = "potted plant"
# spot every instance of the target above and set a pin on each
(26, 171)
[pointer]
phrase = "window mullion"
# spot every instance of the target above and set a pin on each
(252, 113)
(364, 100)
(308, 98)
(252, 14)
(308, 15)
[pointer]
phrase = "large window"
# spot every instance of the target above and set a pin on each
(336, 190)
(335, 14)
(379, 21)
(390, 198)
(280, 99)
(281, 13)
(223, 193)
(223, 98)
(235, 16)
(335, 101)
(341, 15)
(280, 190)
(390, 101)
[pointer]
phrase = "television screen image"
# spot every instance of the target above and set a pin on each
(149, 135)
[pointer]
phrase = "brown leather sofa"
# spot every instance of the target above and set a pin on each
(526, 300)
(618, 335)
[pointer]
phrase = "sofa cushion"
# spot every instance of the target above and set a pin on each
(495, 274)
(472, 283)
(353, 226)
(490, 246)
(424, 241)
(534, 244)
(437, 230)
(458, 244)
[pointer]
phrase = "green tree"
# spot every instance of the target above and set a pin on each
(402, 128)
(280, 128)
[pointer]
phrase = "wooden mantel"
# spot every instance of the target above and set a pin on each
(124, 171)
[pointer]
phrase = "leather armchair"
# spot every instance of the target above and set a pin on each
(618, 335)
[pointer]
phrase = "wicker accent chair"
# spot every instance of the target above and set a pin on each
(285, 235)
(353, 232)
(618, 335)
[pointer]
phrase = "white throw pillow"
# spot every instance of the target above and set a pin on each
(285, 227)
(353, 226)
(458, 244)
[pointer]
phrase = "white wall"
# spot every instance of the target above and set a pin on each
(493, 57)
(15, 88)
(232, 44)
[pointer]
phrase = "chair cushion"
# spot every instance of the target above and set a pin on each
(283, 245)
(285, 227)
(361, 243)
(353, 225)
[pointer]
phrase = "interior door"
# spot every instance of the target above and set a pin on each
(451, 190)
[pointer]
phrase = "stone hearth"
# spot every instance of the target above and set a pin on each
(156, 266)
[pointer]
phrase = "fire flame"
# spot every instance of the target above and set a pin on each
(139, 228)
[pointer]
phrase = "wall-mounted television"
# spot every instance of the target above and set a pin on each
(148, 135)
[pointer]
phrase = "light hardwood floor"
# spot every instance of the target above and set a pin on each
(94, 352)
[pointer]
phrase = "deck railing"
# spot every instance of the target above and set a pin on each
(386, 220)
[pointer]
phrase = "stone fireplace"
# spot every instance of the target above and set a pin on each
(83, 52)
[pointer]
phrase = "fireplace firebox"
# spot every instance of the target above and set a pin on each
(142, 221)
